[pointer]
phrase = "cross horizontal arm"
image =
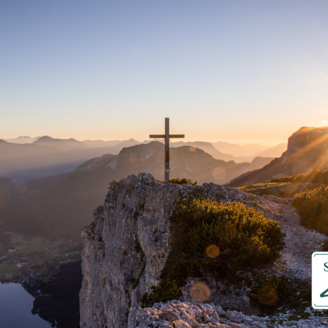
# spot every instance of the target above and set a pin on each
(157, 136)
(176, 136)
(163, 136)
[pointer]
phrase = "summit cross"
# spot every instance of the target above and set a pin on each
(167, 137)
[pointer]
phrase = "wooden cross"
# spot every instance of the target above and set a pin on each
(167, 137)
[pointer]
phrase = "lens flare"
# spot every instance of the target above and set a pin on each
(133, 159)
(219, 173)
(267, 295)
(193, 149)
(199, 292)
(212, 251)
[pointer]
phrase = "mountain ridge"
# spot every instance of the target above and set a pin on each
(307, 148)
(59, 205)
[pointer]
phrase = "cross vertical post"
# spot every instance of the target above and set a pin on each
(167, 149)
(167, 137)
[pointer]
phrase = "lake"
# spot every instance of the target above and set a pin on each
(15, 308)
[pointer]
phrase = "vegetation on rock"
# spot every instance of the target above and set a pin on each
(243, 237)
(272, 294)
(183, 181)
(269, 291)
(279, 189)
(315, 176)
(312, 207)
(166, 291)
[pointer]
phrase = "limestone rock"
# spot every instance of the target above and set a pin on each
(235, 316)
(127, 244)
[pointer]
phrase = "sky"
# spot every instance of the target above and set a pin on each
(241, 71)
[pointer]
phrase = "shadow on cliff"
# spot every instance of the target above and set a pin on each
(57, 300)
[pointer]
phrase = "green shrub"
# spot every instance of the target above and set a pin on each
(312, 207)
(216, 238)
(244, 236)
(166, 291)
(271, 294)
(183, 181)
(315, 176)
(270, 291)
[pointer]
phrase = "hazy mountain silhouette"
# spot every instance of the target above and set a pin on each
(101, 143)
(22, 139)
(207, 147)
(48, 156)
(239, 150)
(59, 206)
(33, 159)
(125, 143)
(307, 148)
(61, 144)
(275, 151)
(210, 149)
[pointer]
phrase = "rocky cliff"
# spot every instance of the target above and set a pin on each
(124, 249)
(307, 148)
(126, 246)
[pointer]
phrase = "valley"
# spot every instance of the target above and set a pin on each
(24, 258)
(41, 221)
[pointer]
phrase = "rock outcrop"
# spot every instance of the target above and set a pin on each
(196, 315)
(126, 246)
(307, 148)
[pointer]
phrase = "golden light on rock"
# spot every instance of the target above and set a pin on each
(199, 292)
(267, 295)
(212, 251)
(133, 159)
(219, 173)
(193, 149)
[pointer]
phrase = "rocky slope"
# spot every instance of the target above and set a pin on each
(307, 148)
(176, 314)
(126, 247)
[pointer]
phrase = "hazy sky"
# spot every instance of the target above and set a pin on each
(221, 70)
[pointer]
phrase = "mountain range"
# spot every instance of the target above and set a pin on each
(307, 148)
(59, 206)
(48, 156)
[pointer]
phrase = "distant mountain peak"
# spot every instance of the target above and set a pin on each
(307, 148)
(44, 138)
(47, 138)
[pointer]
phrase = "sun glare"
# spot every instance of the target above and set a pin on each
(199, 292)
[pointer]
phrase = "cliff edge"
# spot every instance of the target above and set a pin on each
(128, 244)
(125, 248)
